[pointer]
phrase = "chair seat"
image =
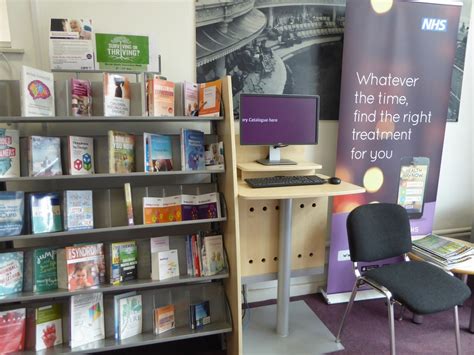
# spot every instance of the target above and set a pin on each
(422, 287)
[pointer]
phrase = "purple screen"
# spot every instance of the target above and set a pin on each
(273, 119)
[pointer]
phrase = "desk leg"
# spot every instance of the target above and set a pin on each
(284, 267)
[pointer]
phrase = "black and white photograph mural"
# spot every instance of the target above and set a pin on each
(273, 47)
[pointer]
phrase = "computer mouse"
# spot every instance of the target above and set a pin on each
(334, 180)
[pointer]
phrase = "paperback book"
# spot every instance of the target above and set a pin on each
(78, 210)
(199, 314)
(191, 98)
(130, 316)
(213, 255)
(45, 270)
(44, 156)
(214, 155)
(164, 319)
(121, 152)
(81, 97)
(159, 155)
(171, 210)
(192, 150)
(123, 263)
(11, 213)
(152, 209)
(44, 327)
(45, 210)
(81, 266)
(11, 272)
(210, 98)
(164, 264)
(87, 319)
(9, 153)
(161, 97)
(117, 95)
(37, 92)
(12, 330)
(80, 155)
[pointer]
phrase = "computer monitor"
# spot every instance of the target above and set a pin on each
(278, 121)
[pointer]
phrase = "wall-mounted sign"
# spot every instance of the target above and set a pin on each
(122, 52)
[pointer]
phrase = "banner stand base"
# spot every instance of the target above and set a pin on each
(343, 297)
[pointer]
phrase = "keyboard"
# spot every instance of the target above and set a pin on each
(279, 181)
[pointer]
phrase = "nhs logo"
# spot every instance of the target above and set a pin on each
(434, 24)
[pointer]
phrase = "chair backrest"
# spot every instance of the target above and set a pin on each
(378, 231)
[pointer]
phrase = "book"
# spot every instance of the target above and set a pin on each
(11, 272)
(152, 208)
(81, 266)
(209, 205)
(210, 98)
(80, 155)
(164, 319)
(78, 210)
(45, 211)
(9, 153)
(128, 203)
(121, 152)
(189, 207)
(442, 247)
(157, 244)
(192, 150)
(190, 98)
(87, 319)
(199, 314)
(81, 97)
(161, 97)
(44, 156)
(123, 262)
(12, 210)
(164, 265)
(214, 156)
(130, 316)
(117, 95)
(37, 92)
(213, 255)
(160, 154)
(45, 275)
(12, 330)
(44, 327)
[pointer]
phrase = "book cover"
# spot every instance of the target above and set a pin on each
(80, 155)
(130, 313)
(123, 262)
(191, 99)
(171, 210)
(152, 210)
(161, 153)
(78, 210)
(200, 314)
(12, 209)
(9, 153)
(128, 203)
(214, 252)
(81, 266)
(189, 207)
(45, 156)
(157, 244)
(44, 270)
(48, 326)
(162, 97)
(81, 97)
(209, 206)
(210, 98)
(192, 150)
(117, 95)
(214, 156)
(87, 319)
(45, 210)
(121, 152)
(116, 304)
(168, 265)
(12, 330)
(37, 92)
(11, 272)
(164, 319)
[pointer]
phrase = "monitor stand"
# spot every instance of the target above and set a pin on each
(274, 157)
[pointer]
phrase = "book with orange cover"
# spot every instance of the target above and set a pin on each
(152, 209)
(210, 98)
(161, 97)
(171, 210)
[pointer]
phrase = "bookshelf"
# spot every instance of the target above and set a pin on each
(222, 289)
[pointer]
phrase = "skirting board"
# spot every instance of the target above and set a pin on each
(343, 297)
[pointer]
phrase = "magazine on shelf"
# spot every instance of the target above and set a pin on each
(121, 152)
(122, 261)
(190, 98)
(160, 97)
(9, 153)
(45, 275)
(214, 156)
(199, 314)
(164, 319)
(130, 316)
(158, 152)
(128, 203)
(45, 211)
(210, 98)
(37, 92)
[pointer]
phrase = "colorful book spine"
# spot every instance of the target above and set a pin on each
(129, 204)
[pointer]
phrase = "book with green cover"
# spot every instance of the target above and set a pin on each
(45, 270)
(45, 209)
(44, 327)
(123, 262)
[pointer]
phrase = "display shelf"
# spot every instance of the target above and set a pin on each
(125, 119)
(106, 288)
(147, 338)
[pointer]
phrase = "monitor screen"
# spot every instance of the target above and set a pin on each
(278, 119)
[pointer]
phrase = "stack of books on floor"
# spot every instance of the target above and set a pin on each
(442, 251)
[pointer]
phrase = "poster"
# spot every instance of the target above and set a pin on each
(122, 52)
(396, 76)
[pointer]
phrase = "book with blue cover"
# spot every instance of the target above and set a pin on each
(45, 209)
(44, 156)
(78, 210)
(192, 150)
(11, 213)
(11, 272)
(199, 314)
(161, 153)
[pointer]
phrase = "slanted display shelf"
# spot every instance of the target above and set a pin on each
(128, 119)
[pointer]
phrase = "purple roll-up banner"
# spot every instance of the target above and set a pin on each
(396, 77)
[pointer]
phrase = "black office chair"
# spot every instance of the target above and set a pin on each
(381, 231)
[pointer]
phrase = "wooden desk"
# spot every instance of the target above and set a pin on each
(285, 195)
